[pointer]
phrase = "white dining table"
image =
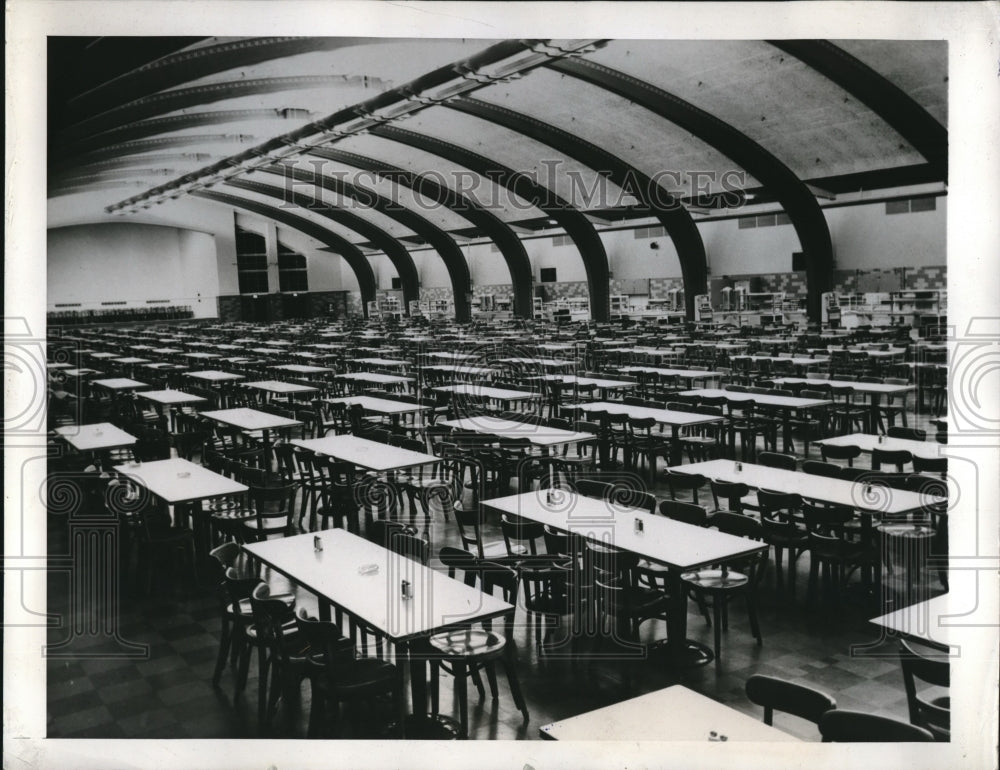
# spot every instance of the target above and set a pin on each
(672, 714)
(678, 546)
(362, 580)
(367, 454)
(868, 442)
(95, 436)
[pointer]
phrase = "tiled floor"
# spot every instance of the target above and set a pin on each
(167, 693)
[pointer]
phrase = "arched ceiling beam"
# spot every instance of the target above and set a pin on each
(495, 228)
(155, 126)
(351, 253)
(151, 145)
(576, 225)
(791, 192)
(883, 97)
(194, 64)
(183, 98)
(394, 250)
(672, 215)
(440, 241)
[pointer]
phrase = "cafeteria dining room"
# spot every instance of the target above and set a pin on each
(423, 387)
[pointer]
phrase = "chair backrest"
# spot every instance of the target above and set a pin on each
(818, 468)
(731, 493)
(933, 671)
(517, 531)
(689, 513)
(776, 694)
(408, 543)
(599, 490)
(685, 482)
(896, 457)
(931, 465)
(777, 460)
(913, 434)
(455, 559)
(842, 726)
(834, 452)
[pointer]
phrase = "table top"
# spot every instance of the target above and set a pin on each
(380, 405)
(303, 368)
(367, 454)
(275, 386)
(812, 487)
(100, 435)
(383, 379)
(789, 402)
(867, 442)
(213, 375)
(201, 355)
(662, 416)
(598, 382)
(380, 361)
(860, 387)
(921, 621)
(163, 365)
(166, 480)
(690, 374)
(674, 544)
(250, 419)
(119, 383)
(438, 602)
(460, 369)
(549, 362)
(104, 355)
(131, 360)
(170, 397)
(484, 391)
(536, 434)
(796, 360)
(671, 714)
(166, 351)
(83, 372)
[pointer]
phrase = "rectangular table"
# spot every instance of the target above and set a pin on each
(544, 363)
(96, 436)
(303, 368)
(276, 386)
(678, 546)
(334, 575)
(853, 494)
(485, 391)
(867, 442)
(874, 390)
(461, 370)
(601, 383)
(251, 420)
(539, 435)
(787, 405)
(370, 455)
(380, 405)
(676, 421)
(213, 375)
(374, 377)
(684, 374)
(671, 714)
(170, 399)
(387, 362)
(119, 384)
(920, 622)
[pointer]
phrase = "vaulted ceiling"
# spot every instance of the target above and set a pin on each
(418, 141)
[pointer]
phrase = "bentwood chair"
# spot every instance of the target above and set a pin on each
(776, 694)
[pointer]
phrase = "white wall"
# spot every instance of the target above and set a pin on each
(88, 264)
(865, 236)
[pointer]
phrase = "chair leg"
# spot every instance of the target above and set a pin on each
(224, 645)
(752, 614)
(435, 687)
(717, 605)
(514, 682)
(477, 680)
(491, 677)
(463, 696)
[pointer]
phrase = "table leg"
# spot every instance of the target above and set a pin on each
(681, 651)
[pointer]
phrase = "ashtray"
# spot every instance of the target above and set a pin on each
(368, 569)
(134, 464)
(183, 474)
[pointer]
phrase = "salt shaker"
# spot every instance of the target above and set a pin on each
(317, 543)
(638, 526)
(406, 591)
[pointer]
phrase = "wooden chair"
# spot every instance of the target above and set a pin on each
(842, 726)
(776, 694)
(935, 714)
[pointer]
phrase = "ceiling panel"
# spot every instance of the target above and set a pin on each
(500, 201)
(801, 117)
(574, 182)
(918, 67)
(655, 146)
